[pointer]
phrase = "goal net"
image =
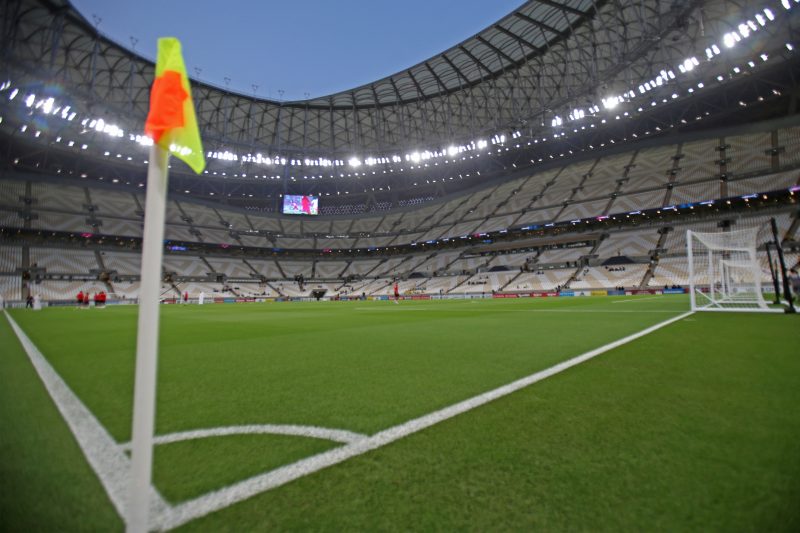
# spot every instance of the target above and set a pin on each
(725, 272)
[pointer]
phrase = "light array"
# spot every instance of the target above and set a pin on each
(48, 105)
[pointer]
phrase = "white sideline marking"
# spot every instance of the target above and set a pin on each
(571, 310)
(637, 299)
(336, 435)
(219, 499)
(101, 451)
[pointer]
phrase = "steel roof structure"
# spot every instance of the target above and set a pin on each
(516, 82)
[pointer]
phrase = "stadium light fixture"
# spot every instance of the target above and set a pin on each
(728, 40)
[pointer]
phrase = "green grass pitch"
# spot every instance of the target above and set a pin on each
(692, 427)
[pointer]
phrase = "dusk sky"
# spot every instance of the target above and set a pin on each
(303, 48)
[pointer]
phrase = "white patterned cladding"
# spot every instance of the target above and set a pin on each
(329, 269)
(60, 198)
(672, 271)
(216, 236)
(11, 287)
(294, 268)
(601, 277)
(538, 216)
(676, 239)
(408, 238)
(268, 269)
(749, 153)
(789, 140)
(651, 167)
(695, 192)
(433, 233)
(610, 168)
(365, 225)
(233, 268)
(335, 244)
(630, 243)
(175, 232)
(185, 266)
(290, 243)
(390, 268)
(264, 223)
(73, 222)
(121, 227)
(464, 228)
(291, 225)
(388, 223)
(483, 283)
(626, 203)
(498, 223)
(589, 209)
(10, 219)
(772, 182)
(699, 160)
(419, 217)
(173, 214)
(360, 267)
(201, 216)
(128, 290)
(64, 261)
(594, 188)
(448, 211)
(340, 226)
(254, 240)
(124, 264)
(562, 255)
(118, 204)
(10, 258)
(512, 260)
(237, 220)
(443, 284)
(368, 242)
(315, 226)
(467, 263)
(547, 280)
(440, 261)
(11, 191)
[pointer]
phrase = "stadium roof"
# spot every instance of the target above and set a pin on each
(579, 73)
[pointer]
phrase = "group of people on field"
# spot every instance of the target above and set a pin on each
(84, 298)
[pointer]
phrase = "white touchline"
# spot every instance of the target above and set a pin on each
(313, 432)
(101, 451)
(219, 499)
(637, 299)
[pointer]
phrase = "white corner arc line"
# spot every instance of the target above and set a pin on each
(314, 432)
(219, 499)
(101, 451)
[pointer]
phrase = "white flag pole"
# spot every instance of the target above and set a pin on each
(144, 396)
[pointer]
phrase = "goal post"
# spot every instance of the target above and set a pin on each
(725, 271)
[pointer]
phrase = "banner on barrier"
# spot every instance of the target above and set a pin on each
(566, 293)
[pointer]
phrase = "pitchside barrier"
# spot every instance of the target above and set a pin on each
(14, 304)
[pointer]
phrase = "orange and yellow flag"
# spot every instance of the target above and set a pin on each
(171, 122)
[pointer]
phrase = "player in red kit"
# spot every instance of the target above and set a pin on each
(396, 293)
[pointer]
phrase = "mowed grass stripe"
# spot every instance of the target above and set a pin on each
(672, 432)
(322, 365)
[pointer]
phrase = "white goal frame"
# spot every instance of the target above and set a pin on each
(729, 264)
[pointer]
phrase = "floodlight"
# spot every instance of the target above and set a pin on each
(728, 40)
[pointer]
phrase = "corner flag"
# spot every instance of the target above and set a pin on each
(172, 123)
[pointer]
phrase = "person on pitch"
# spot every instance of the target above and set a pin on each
(396, 293)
